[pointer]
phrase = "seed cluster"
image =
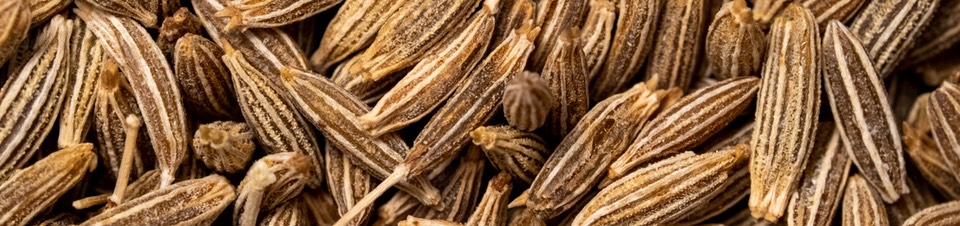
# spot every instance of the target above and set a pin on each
(480, 112)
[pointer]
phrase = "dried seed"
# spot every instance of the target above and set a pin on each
(352, 29)
(409, 34)
(190, 202)
(825, 11)
(526, 101)
(367, 90)
(320, 206)
(478, 96)
(31, 97)
(734, 189)
(919, 198)
(276, 123)
(32, 190)
(565, 73)
(434, 79)
(515, 151)
(224, 146)
(664, 191)
(114, 101)
(740, 131)
(923, 150)
(16, 25)
(492, 209)
(334, 112)
(152, 82)
(43, 10)
(87, 59)
(181, 23)
(416, 221)
(632, 41)
(888, 29)
(860, 106)
(270, 182)
(943, 111)
(512, 15)
(677, 45)
(687, 123)
(597, 35)
(735, 43)
(584, 155)
(940, 34)
(245, 14)
(943, 214)
(862, 204)
(554, 17)
(136, 9)
(816, 199)
(347, 182)
(291, 213)
(203, 78)
(787, 109)
(268, 50)
(458, 188)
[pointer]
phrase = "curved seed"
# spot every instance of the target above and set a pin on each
(841, 10)
(458, 188)
(245, 14)
(15, 24)
(492, 210)
(554, 17)
(736, 188)
(939, 35)
(136, 9)
(352, 29)
(787, 109)
(676, 50)
(888, 30)
(87, 60)
(862, 204)
(31, 98)
(190, 202)
(347, 182)
(32, 190)
(512, 15)
(943, 111)
(43, 10)
(632, 41)
(204, 79)
(939, 215)
(566, 75)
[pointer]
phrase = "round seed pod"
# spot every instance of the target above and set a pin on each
(224, 146)
(527, 101)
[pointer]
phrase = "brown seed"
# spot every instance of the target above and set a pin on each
(270, 182)
(938, 36)
(181, 23)
(787, 109)
(136, 9)
(204, 79)
(434, 79)
(224, 146)
(840, 10)
(87, 60)
(862, 205)
(16, 24)
(352, 29)
(515, 151)
(115, 101)
(320, 206)
(190, 202)
(687, 123)
(943, 111)
(492, 210)
(923, 150)
(939, 215)
(736, 188)
(459, 189)
(33, 189)
(367, 90)
(512, 15)
(677, 45)
(43, 10)
(31, 98)
(566, 75)
(888, 30)
(861, 107)
(554, 17)
(152, 82)
(347, 182)
(526, 101)
(245, 14)
(820, 191)
(596, 35)
(632, 41)
(291, 213)
(735, 43)
(409, 34)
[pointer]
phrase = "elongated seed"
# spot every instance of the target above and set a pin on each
(862, 205)
(565, 73)
(245, 14)
(632, 41)
(939, 35)
(190, 202)
(435, 78)
(15, 25)
(735, 42)
(554, 17)
(459, 189)
(888, 30)
(787, 110)
(492, 209)
(687, 123)
(939, 215)
(347, 182)
(43, 10)
(136, 9)
(923, 150)
(816, 199)
(352, 29)
(152, 82)
(31, 98)
(204, 79)
(943, 110)
(584, 155)
(676, 48)
(735, 189)
(409, 34)
(512, 15)
(663, 191)
(271, 181)
(861, 108)
(841, 10)
(367, 90)
(597, 35)
(86, 60)
(32, 190)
